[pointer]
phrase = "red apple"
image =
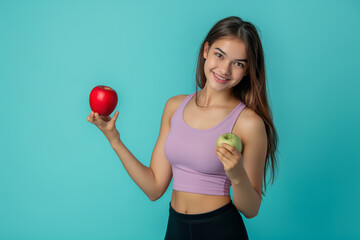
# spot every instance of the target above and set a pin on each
(103, 100)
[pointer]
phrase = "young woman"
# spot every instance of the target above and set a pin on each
(233, 98)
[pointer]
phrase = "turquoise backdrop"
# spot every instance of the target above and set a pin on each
(60, 178)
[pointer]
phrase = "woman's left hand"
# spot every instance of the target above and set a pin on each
(232, 160)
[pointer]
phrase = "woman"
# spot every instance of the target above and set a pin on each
(231, 75)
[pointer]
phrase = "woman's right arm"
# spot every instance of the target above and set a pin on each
(153, 180)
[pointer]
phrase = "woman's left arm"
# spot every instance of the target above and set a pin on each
(245, 170)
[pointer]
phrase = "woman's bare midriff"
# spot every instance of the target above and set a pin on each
(193, 203)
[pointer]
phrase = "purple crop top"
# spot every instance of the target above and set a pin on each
(191, 152)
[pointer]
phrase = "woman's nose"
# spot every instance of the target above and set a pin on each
(225, 69)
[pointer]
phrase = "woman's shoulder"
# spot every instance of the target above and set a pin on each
(248, 120)
(175, 101)
(179, 97)
(249, 116)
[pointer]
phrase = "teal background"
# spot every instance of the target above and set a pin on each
(60, 178)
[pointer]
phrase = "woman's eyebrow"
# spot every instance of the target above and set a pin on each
(245, 60)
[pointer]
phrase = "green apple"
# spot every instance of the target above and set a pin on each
(231, 139)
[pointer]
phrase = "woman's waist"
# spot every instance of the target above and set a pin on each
(194, 203)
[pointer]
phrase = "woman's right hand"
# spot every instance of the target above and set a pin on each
(106, 124)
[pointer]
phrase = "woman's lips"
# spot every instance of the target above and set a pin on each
(218, 79)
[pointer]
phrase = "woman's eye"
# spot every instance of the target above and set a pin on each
(240, 64)
(218, 54)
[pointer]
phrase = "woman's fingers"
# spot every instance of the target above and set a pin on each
(95, 118)
(115, 117)
(91, 117)
(99, 121)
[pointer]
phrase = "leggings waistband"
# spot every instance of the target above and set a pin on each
(203, 217)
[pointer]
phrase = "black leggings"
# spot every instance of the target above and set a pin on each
(224, 223)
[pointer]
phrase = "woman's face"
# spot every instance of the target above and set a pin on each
(226, 63)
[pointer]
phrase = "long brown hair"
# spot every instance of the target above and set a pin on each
(252, 88)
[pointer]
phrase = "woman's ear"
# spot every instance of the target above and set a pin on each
(206, 49)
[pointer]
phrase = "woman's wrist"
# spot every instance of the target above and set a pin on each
(114, 142)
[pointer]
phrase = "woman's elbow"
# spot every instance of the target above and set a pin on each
(252, 214)
(155, 197)
(248, 216)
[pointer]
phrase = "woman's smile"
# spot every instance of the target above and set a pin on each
(220, 79)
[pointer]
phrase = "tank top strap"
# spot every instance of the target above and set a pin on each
(184, 103)
(186, 100)
(178, 113)
(231, 119)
